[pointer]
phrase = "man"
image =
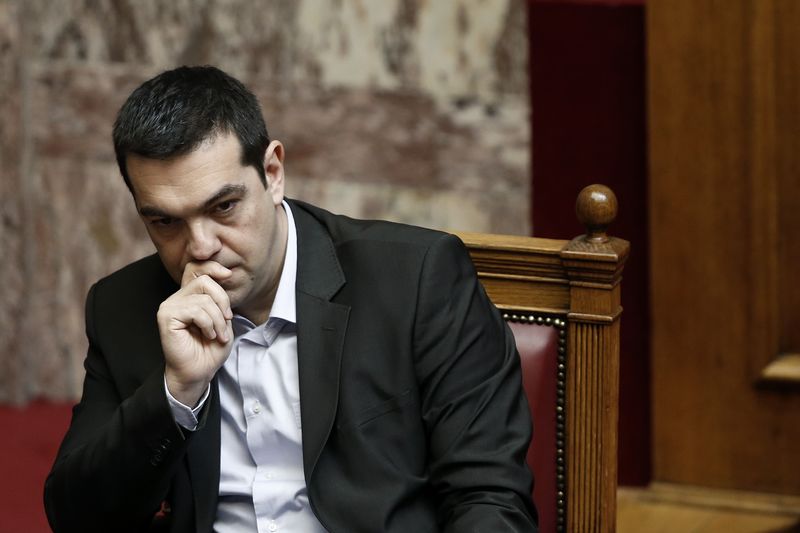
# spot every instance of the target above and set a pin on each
(276, 367)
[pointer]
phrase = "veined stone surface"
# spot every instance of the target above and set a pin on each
(12, 232)
(410, 110)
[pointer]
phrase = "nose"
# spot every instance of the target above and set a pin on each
(203, 242)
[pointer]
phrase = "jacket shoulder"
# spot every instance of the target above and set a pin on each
(144, 279)
(343, 229)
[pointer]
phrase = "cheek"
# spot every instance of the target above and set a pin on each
(247, 253)
(251, 253)
(246, 239)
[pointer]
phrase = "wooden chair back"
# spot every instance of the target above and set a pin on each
(562, 301)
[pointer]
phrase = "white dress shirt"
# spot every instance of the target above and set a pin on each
(261, 484)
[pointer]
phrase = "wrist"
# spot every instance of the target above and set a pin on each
(187, 393)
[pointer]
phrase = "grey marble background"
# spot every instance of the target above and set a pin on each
(411, 110)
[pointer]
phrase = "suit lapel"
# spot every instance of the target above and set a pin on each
(321, 327)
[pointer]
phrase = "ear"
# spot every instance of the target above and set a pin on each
(273, 168)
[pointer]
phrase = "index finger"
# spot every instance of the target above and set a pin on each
(214, 270)
(206, 285)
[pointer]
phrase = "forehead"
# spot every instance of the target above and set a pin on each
(190, 177)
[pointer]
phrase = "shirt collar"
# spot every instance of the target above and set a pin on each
(284, 305)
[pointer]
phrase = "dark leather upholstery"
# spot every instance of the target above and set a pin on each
(538, 350)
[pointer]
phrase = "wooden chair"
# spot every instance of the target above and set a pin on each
(562, 301)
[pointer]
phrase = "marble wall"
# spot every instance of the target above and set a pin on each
(411, 110)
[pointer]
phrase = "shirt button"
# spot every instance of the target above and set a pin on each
(257, 408)
(273, 526)
(269, 475)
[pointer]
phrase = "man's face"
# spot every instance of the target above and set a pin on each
(206, 206)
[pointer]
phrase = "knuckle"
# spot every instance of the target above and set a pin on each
(207, 283)
(207, 301)
(163, 309)
(200, 314)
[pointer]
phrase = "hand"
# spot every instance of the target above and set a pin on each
(195, 328)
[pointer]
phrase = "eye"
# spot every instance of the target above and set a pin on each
(225, 207)
(163, 222)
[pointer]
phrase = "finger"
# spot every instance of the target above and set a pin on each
(201, 311)
(208, 268)
(206, 285)
(219, 322)
(205, 323)
(197, 318)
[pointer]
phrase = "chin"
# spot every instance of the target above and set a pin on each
(233, 296)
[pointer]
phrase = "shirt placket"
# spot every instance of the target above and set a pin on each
(262, 415)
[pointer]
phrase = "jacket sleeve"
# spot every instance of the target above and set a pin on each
(473, 403)
(114, 466)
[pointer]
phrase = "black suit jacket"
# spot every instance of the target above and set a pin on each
(413, 415)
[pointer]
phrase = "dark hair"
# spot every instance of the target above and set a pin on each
(173, 113)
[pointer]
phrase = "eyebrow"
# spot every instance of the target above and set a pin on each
(226, 190)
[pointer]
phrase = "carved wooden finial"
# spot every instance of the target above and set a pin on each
(596, 208)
